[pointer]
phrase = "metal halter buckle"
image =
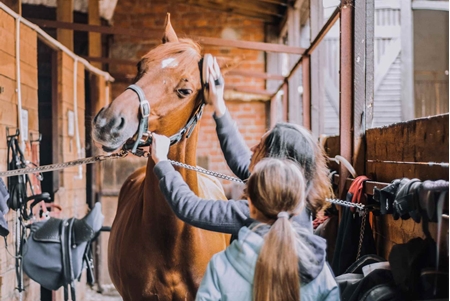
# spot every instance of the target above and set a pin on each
(145, 108)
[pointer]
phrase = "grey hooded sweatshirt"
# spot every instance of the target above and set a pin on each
(229, 275)
(219, 216)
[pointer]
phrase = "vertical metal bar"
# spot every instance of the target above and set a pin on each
(317, 74)
(407, 65)
(346, 89)
(286, 101)
(306, 73)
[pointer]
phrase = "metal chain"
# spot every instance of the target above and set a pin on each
(346, 203)
(58, 166)
(361, 233)
(205, 171)
(146, 154)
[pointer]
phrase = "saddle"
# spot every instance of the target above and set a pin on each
(57, 250)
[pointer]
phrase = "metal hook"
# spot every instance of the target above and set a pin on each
(13, 135)
(339, 159)
(39, 139)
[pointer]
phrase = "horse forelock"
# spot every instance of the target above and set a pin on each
(186, 52)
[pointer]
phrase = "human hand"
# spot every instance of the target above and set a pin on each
(214, 93)
(160, 147)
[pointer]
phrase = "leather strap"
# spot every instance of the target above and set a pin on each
(144, 112)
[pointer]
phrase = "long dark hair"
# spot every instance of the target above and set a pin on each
(294, 142)
(277, 186)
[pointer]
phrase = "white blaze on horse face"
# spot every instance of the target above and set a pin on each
(169, 63)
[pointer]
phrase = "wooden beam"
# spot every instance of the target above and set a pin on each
(306, 97)
(250, 45)
(295, 103)
(346, 100)
(254, 74)
(265, 9)
(95, 39)
(248, 90)
(147, 33)
(430, 5)
(15, 5)
(64, 13)
(236, 10)
(268, 47)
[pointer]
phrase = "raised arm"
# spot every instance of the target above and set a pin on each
(214, 215)
(236, 152)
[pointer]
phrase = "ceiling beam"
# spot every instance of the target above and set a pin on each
(261, 46)
(236, 72)
(232, 10)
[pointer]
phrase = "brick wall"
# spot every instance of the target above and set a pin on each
(187, 21)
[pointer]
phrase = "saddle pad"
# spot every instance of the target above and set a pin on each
(51, 231)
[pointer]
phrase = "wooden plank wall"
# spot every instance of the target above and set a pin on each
(9, 118)
(72, 193)
(419, 140)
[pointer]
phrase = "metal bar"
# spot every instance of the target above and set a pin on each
(248, 90)
(306, 73)
(346, 100)
(286, 101)
(325, 29)
(322, 33)
(444, 164)
(155, 34)
(368, 185)
(256, 74)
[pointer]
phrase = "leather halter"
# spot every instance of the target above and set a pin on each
(143, 123)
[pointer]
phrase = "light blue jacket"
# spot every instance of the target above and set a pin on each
(229, 275)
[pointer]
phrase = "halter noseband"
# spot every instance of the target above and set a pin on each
(143, 123)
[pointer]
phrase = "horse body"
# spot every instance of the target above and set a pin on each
(152, 255)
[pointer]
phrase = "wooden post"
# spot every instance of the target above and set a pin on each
(306, 74)
(295, 105)
(15, 5)
(407, 58)
(64, 13)
(95, 39)
(346, 100)
(363, 84)
(317, 90)
(286, 101)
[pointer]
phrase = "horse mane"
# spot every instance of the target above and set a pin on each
(186, 51)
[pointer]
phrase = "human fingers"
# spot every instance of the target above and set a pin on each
(160, 147)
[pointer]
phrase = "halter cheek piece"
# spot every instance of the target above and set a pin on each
(143, 123)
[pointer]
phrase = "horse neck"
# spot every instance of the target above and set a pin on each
(154, 203)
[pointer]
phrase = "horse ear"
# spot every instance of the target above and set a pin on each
(169, 33)
(226, 63)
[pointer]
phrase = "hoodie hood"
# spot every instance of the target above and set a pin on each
(243, 252)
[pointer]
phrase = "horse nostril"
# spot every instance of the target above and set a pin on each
(96, 116)
(122, 123)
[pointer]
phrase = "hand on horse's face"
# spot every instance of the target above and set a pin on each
(214, 93)
(160, 147)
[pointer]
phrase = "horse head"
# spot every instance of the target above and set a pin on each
(169, 78)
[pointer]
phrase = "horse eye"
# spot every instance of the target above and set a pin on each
(184, 92)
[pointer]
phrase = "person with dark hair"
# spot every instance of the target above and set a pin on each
(260, 265)
(284, 140)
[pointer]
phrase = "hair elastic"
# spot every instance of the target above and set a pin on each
(283, 214)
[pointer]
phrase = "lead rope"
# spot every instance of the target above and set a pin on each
(144, 154)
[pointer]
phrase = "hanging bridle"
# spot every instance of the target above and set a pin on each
(143, 136)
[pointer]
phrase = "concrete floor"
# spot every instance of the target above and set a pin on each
(108, 294)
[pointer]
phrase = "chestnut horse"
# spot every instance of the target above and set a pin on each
(152, 254)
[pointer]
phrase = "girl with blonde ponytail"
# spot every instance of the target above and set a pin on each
(274, 259)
